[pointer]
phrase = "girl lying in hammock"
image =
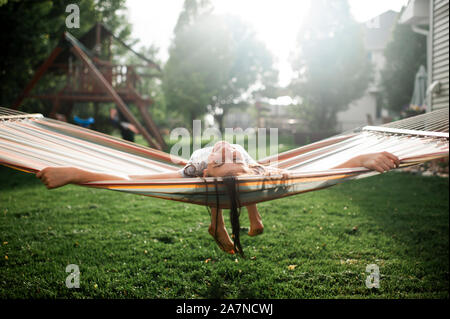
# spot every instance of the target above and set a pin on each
(221, 160)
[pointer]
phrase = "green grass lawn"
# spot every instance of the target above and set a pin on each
(315, 245)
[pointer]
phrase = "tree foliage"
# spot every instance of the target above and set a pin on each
(192, 10)
(31, 29)
(331, 64)
(214, 61)
(404, 54)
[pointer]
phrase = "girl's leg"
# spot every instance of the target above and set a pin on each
(256, 225)
(219, 232)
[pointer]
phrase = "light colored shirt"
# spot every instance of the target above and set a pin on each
(199, 161)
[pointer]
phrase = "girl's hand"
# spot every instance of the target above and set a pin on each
(381, 162)
(272, 171)
(54, 177)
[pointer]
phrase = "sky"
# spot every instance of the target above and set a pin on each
(275, 21)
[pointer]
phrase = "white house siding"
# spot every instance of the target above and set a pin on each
(439, 52)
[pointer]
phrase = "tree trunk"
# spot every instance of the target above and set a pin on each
(220, 121)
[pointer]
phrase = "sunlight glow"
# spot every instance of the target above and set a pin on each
(276, 22)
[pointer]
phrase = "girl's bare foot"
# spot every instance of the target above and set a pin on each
(256, 230)
(222, 239)
(256, 225)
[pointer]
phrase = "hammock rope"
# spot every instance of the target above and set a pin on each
(31, 142)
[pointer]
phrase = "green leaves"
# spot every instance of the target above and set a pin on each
(214, 60)
(404, 55)
(31, 30)
(332, 64)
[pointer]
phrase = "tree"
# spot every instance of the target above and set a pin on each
(214, 60)
(31, 29)
(404, 54)
(192, 9)
(332, 66)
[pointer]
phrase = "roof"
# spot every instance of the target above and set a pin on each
(417, 12)
(88, 42)
(378, 30)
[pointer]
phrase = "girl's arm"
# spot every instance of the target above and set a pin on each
(54, 177)
(380, 162)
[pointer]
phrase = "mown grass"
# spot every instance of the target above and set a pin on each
(315, 245)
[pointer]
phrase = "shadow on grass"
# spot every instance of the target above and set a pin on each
(405, 207)
(408, 213)
(216, 290)
(14, 179)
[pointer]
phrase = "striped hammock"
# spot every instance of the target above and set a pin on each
(31, 142)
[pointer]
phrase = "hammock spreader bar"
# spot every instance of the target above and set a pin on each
(404, 132)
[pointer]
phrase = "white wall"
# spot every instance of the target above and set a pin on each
(356, 115)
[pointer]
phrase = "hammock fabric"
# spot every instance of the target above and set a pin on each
(31, 142)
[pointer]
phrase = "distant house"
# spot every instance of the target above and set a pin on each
(367, 110)
(431, 18)
(240, 119)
